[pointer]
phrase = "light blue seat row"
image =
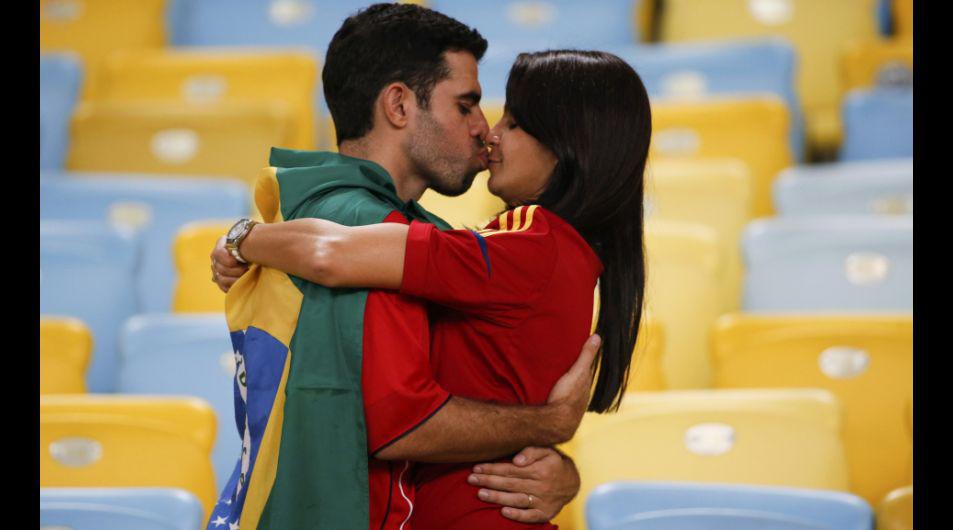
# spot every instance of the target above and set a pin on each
(878, 123)
(273, 23)
(829, 263)
(679, 506)
(747, 66)
(167, 354)
(87, 271)
(153, 207)
(61, 78)
(873, 187)
(119, 509)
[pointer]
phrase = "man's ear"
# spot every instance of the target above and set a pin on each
(397, 102)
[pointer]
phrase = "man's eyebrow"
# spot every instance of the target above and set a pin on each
(472, 96)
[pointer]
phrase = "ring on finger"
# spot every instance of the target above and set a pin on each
(529, 502)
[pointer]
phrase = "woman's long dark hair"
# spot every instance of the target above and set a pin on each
(591, 110)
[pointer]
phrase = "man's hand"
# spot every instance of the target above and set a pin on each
(226, 270)
(570, 395)
(533, 489)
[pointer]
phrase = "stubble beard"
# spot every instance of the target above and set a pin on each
(444, 173)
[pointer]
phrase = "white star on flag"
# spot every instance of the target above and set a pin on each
(233, 526)
(219, 521)
(229, 501)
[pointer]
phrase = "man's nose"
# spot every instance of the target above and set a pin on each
(480, 128)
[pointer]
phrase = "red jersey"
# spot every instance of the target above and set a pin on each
(516, 307)
(399, 394)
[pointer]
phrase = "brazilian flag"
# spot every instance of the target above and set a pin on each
(298, 348)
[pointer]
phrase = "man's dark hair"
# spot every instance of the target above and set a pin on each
(387, 43)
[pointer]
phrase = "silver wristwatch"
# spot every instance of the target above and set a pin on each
(237, 234)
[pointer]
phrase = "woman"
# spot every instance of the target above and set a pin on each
(568, 159)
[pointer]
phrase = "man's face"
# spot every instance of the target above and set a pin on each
(446, 144)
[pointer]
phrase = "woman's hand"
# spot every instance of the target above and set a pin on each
(533, 489)
(226, 270)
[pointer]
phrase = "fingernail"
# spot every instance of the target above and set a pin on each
(483, 494)
(596, 340)
(473, 479)
(508, 511)
(519, 460)
(478, 469)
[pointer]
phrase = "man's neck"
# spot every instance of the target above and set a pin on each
(389, 157)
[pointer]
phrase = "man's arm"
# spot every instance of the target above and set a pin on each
(465, 430)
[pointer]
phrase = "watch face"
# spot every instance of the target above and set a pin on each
(234, 231)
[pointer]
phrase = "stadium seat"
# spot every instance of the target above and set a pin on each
(895, 511)
(227, 140)
(730, 68)
(754, 130)
(302, 24)
(60, 80)
(829, 263)
(764, 437)
(199, 78)
(154, 207)
(550, 24)
(473, 209)
(194, 290)
(818, 29)
(878, 123)
(865, 360)
(87, 272)
(903, 18)
(712, 192)
(189, 355)
(683, 292)
(128, 441)
(877, 63)
(95, 28)
(670, 505)
(880, 187)
(65, 347)
(646, 372)
(119, 509)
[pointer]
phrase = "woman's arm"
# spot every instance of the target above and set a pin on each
(330, 254)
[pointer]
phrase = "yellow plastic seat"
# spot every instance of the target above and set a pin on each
(818, 29)
(895, 511)
(95, 28)
(865, 360)
(201, 78)
(127, 441)
(903, 18)
(227, 140)
(865, 63)
(683, 293)
(763, 437)
(753, 130)
(647, 373)
(66, 345)
(714, 193)
(194, 290)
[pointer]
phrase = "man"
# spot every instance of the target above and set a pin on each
(315, 363)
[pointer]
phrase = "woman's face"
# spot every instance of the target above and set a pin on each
(520, 166)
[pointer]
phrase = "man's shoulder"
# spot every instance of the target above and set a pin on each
(350, 206)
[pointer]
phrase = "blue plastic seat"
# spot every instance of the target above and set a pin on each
(272, 23)
(721, 68)
(87, 271)
(679, 506)
(61, 77)
(532, 25)
(167, 354)
(878, 123)
(155, 207)
(829, 263)
(119, 509)
(878, 187)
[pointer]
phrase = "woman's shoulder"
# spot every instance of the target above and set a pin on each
(526, 220)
